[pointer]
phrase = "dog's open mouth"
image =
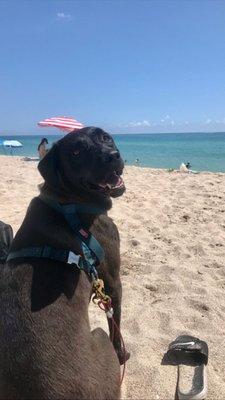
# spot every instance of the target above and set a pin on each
(112, 181)
(112, 185)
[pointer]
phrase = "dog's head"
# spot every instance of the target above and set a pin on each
(85, 164)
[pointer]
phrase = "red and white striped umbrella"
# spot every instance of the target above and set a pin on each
(64, 123)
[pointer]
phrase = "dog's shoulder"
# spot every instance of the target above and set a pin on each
(104, 225)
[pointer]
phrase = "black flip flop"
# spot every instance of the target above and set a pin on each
(191, 356)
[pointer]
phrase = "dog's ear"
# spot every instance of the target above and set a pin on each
(49, 166)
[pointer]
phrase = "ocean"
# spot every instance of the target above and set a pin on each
(204, 151)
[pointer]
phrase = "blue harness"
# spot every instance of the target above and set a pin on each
(93, 253)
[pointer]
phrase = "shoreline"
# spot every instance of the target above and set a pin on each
(205, 152)
(35, 159)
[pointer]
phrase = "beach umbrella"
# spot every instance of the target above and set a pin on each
(64, 123)
(11, 143)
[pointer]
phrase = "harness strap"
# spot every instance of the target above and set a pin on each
(40, 252)
(93, 253)
(69, 211)
(51, 253)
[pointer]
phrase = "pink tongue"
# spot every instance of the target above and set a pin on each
(119, 182)
(115, 185)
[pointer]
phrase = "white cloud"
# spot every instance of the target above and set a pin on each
(146, 123)
(167, 124)
(167, 120)
(62, 15)
(139, 124)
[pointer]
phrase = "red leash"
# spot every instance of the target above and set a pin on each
(109, 312)
(104, 302)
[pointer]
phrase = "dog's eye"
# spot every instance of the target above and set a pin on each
(76, 152)
(105, 138)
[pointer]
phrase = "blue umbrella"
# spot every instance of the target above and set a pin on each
(11, 144)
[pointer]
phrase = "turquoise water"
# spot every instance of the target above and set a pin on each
(205, 151)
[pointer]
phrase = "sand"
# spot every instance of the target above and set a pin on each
(172, 229)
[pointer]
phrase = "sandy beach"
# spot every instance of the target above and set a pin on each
(172, 229)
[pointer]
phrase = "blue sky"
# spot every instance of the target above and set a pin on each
(127, 66)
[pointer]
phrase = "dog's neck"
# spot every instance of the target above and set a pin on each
(103, 202)
(87, 216)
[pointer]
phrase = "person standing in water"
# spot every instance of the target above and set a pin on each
(42, 149)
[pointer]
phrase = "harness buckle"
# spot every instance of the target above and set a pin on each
(73, 258)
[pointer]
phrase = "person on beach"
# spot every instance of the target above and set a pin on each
(187, 168)
(42, 149)
(137, 161)
(184, 167)
(188, 165)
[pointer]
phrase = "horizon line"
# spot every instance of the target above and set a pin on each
(122, 133)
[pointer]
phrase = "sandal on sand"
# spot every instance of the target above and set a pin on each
(191, 356)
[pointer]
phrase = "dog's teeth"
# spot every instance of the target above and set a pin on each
(109, 186)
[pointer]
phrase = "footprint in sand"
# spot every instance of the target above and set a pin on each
(197, 250)
(199, 306)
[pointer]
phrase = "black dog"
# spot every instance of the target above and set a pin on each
(46, 347)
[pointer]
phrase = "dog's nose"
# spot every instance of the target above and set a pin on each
(112, 156)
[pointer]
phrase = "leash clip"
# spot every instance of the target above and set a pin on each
(99, 293)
